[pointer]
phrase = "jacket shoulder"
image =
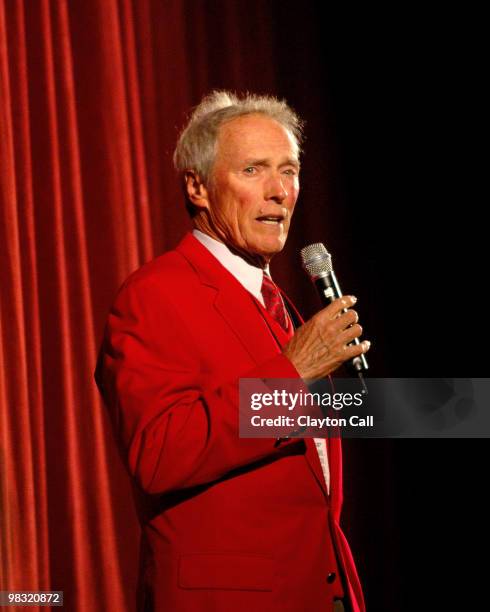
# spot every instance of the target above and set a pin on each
(163, 273)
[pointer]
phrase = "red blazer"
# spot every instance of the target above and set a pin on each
(229, 524)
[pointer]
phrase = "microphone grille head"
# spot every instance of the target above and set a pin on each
(317, 261)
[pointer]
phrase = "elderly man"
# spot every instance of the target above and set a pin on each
(229, 524)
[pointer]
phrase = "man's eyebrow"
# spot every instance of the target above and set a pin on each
(257, 162)
(292, 162)
(266, 162)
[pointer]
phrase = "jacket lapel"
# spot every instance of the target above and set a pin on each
(232, 301)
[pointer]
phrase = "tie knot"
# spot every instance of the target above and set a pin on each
(267, 283)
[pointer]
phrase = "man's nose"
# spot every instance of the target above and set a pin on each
(276, 189)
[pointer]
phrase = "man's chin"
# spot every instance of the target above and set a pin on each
(268, 252)
(260, 253)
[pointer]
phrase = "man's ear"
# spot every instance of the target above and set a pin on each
(196, 190)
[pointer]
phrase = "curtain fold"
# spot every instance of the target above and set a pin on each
(24, 533)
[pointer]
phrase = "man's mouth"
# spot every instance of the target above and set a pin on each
(271, 219)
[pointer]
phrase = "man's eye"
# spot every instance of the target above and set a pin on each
(290, 172)
(250, 170)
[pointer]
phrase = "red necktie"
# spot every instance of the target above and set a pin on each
(273, 301)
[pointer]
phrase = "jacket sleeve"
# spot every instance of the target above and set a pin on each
(176, 429)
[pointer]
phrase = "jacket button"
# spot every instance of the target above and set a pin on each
(331, 577)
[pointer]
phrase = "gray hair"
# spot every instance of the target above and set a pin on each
(196, 146)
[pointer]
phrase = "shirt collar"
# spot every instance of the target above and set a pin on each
(247, 275)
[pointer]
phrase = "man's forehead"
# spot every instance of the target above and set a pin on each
(257, 136)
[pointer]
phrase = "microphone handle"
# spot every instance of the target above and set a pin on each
(329, 290)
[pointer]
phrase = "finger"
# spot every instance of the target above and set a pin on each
(349, 317)
(350, 334)
(338, 305)
(343, 321)
(358, 349)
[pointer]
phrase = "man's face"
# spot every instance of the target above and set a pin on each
(254, 186)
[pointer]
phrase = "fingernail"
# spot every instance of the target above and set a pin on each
(367, 344)
(353, 298)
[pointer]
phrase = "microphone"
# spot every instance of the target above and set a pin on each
(317, 263)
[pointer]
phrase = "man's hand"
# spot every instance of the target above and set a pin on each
(320, 346)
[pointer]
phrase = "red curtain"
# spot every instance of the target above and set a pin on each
(92, 93)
